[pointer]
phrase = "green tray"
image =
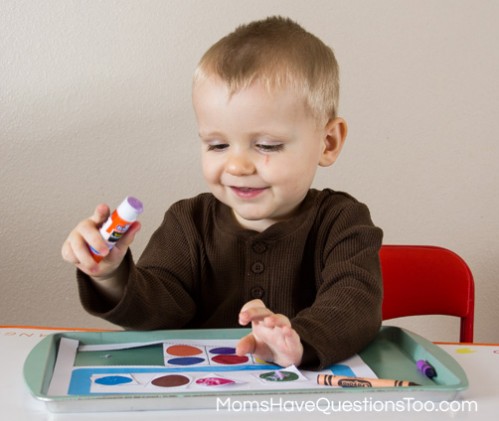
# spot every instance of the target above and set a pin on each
(393, 354)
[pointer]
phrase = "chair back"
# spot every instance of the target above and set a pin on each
(427, 280)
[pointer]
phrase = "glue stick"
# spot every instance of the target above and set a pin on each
(118, 223)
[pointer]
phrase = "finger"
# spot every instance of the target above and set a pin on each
(89, 231)
(291, 337)
(128, 237)
(68, 254)
(101, 213)
(254, 314)
(277, 320)
(291, 344)
(253, 303)
(82, 256)
(246, 345)
(294, 345)
(243, 316)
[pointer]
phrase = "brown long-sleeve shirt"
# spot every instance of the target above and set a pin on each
(320, 268)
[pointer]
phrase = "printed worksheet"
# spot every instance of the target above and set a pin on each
(178, 366)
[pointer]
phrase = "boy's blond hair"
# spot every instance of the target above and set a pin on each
(280, 54)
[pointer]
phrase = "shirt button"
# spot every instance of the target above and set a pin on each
(257, 292)
(257, 267)
(259, 247)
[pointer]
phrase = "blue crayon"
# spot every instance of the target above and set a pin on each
(426, 368)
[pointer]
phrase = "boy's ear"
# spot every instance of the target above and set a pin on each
(335, 134)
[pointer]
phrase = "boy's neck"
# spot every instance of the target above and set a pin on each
(262, 225)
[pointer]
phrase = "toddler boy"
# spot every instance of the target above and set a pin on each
(263, 248)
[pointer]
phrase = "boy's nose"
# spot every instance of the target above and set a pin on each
(239, 164)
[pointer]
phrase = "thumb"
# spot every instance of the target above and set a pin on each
(128, 237)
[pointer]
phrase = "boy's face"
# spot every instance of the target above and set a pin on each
(260, 150)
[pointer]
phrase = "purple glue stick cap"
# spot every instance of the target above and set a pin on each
(135, 203)
(130, 208)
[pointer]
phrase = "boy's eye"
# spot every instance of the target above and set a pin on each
(218, 147)
(270, 148)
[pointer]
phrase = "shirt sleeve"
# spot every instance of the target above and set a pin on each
(159, 289)
(346, 313)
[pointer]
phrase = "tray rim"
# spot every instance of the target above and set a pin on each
(37, 378)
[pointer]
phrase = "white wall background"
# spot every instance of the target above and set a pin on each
(95, 105)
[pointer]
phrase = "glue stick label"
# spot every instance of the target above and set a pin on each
(118, 223)
(114, 228)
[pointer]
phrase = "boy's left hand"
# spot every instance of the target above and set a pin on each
(272, 338)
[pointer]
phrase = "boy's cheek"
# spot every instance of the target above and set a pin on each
(208, 169)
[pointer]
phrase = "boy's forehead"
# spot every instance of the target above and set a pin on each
(222, 88)
(210, 84)
(252, 110)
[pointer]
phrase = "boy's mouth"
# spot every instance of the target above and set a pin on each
(248, 192)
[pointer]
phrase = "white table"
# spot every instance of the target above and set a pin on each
(479, 401)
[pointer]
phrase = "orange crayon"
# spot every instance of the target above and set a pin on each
(344, 381)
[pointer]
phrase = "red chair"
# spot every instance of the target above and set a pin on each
(427, 280)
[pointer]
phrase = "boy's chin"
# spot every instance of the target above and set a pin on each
(253, 220)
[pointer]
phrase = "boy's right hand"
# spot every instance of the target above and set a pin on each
(75, 248)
